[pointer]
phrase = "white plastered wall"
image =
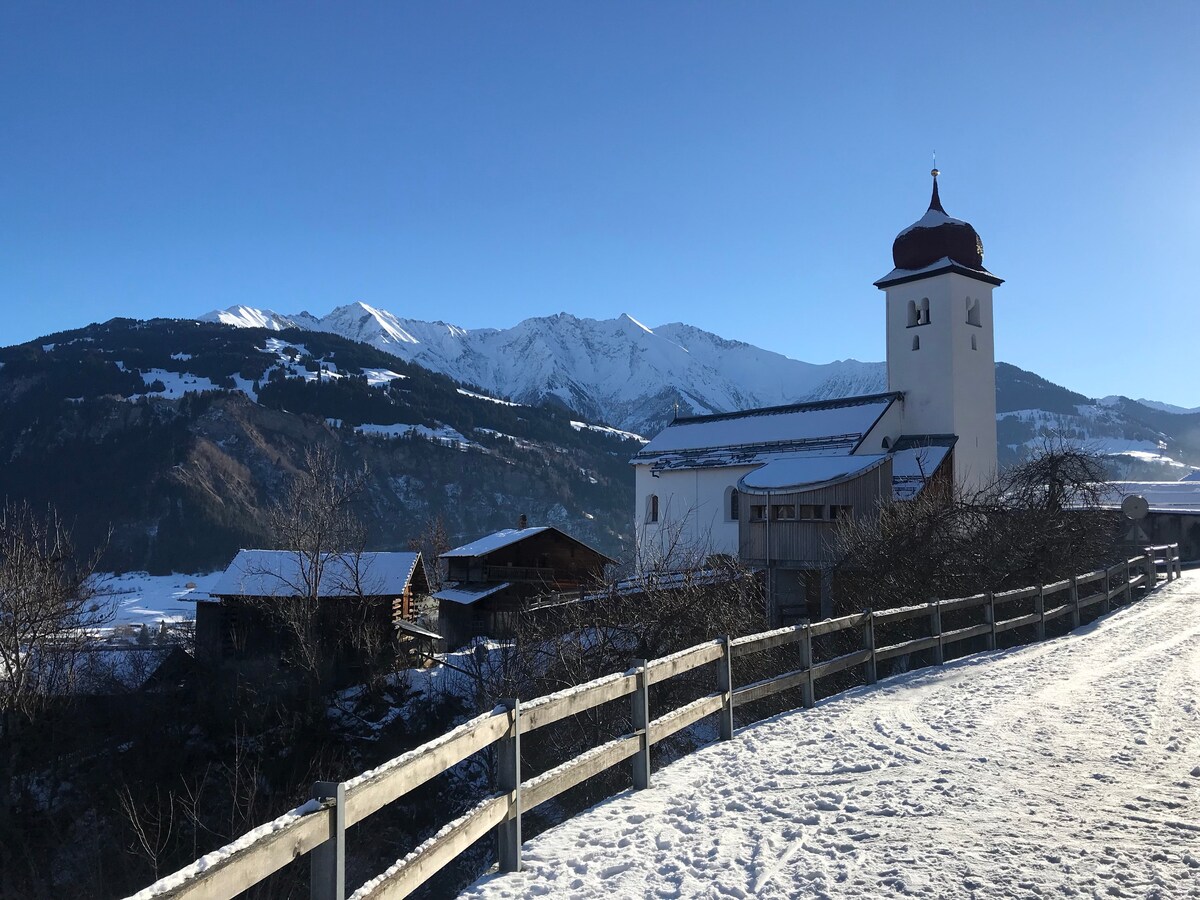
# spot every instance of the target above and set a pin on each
(693, 514)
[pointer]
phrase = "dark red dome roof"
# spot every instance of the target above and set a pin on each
(936, 236)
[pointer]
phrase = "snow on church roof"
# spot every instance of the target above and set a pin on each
(806, 472)
(830, 427)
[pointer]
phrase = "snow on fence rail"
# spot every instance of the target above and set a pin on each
(318, 827)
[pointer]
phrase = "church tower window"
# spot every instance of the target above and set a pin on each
(916, 342)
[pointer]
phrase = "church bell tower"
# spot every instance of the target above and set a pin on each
(940, 342)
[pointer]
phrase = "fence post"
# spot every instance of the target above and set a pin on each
(508, 777)
(989, 616)
(1176, 561)
(1128, 586)
(869, 644)
(935, 630)
(1151, 569)
(725, 686)
(1106, 603)
(1039, 607)
(1074, 602)
(808, 697)
(640, 716)
(327, 865)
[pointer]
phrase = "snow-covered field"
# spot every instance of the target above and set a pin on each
(1069, 768)
(139, 598)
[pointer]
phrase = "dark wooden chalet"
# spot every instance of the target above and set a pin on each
(489, 581)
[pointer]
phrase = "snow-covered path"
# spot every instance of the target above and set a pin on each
(1067, 768)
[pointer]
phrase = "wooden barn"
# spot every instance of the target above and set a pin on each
(247, 615)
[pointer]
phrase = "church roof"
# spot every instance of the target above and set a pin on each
(936, 243)
(825, 428)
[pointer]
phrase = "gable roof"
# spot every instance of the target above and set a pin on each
(280, 573)
(508, 536)
(825, 428)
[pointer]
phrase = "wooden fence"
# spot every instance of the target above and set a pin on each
(319, 827)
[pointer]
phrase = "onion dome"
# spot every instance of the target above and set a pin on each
(936, 236)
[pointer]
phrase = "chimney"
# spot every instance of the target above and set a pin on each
(522, 523)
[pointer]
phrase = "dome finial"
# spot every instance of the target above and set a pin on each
(935, 202)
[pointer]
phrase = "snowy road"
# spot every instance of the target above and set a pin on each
(1069, 768)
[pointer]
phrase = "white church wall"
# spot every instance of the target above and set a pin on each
(693, 514)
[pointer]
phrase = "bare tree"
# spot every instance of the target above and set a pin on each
(316, 524)
(1038, 522)
(48, 609)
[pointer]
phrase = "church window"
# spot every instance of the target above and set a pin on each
(840, 512)
(916, 342)
(783, 511)
(652, 508)
(731, 507)
(912, 314)
(812, 513)
(974, 345)
(973, 312)
(758, 512)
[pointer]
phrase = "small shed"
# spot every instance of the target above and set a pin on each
(490, 581)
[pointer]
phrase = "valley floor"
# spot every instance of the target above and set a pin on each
(1069, 768)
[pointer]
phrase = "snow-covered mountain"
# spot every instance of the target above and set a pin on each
(612, 370)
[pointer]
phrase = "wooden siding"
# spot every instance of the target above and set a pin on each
(807, 543)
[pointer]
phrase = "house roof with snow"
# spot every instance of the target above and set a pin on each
(824, 428)
(467, 593)
(507, 537)
(285, 573)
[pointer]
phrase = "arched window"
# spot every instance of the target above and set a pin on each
(732, 508)
(916, 342)
(973, 312)
(913, 318)
(974, 346)
(652, 508)
(923, 311)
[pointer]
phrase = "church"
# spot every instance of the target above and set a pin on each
(767, 485)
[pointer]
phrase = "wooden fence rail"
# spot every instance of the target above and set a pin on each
(318, 828)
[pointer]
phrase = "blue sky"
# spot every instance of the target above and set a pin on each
(742, 167)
